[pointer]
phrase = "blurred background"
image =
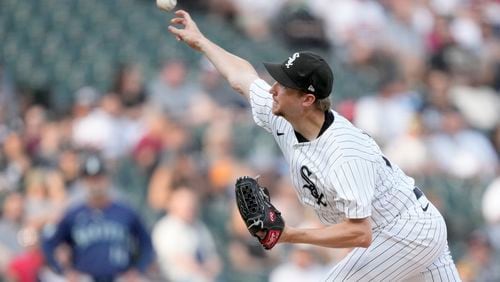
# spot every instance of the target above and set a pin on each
(421, 76)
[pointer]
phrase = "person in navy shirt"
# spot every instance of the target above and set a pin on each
(106, 238)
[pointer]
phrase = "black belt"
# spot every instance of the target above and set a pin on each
(418, 193)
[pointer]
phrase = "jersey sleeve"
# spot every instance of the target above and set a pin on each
(261, 102)
(354, 182)
(52, 237)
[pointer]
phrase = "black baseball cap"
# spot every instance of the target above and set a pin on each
(304, 71)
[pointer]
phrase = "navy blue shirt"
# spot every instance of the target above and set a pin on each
(104, 242)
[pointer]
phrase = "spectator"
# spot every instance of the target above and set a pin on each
(104, 128)
(439, 37)
(406, 23)
(438, 83)
(10, 225)
(254, 16)
(69, 166)
(107, 239)
(135, 172)
(461, 151)
(129, 86)
(472, 99)
(388, 114)
(45, 197)
(352, 18)
(169, 92)
(185, 248)
(27, 266)
(465, 29)
(479, 262)
(175, 167)
(48, 146)
(35, 118)
(17, 161)
(409, 151)
(300, 28)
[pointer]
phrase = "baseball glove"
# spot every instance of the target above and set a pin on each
(262, 219)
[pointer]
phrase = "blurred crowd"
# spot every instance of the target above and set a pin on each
(425, 83)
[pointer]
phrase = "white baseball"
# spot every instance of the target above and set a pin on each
(166, 5)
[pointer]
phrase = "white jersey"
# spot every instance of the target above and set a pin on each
(342, 173)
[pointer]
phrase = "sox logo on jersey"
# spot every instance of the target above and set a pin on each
(305, 173)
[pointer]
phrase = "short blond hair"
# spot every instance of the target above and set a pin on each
(323, 104)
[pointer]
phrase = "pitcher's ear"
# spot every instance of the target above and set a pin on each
(308, 99)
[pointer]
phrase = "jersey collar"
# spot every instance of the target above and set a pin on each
(329, 118)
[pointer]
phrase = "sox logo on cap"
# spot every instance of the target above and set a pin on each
(291, 60)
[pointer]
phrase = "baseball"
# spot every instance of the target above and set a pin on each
(166, 5)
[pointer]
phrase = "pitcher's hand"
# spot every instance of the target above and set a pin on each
(188, 32)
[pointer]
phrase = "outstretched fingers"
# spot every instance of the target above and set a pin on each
(183, 14)
(178, 21)
(175, 31)
(182, 18)
(185, 29)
